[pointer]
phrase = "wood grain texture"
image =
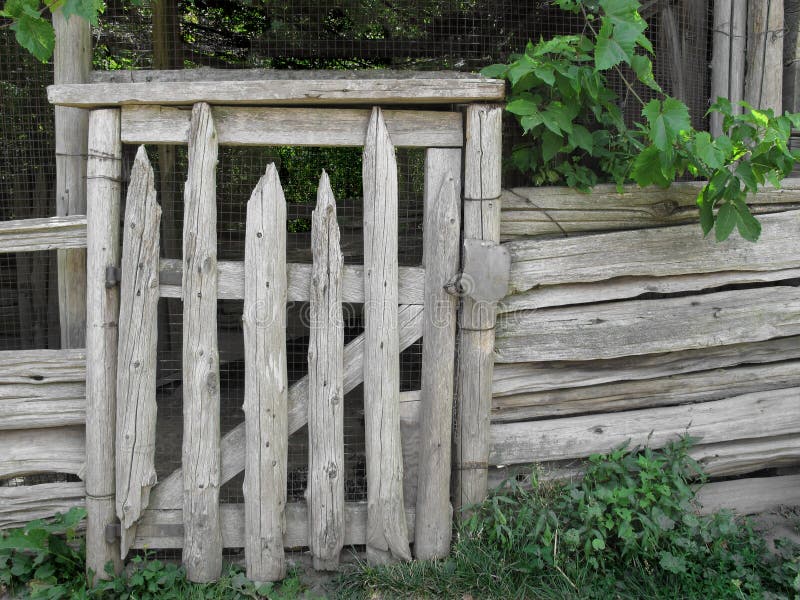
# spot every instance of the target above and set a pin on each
(562, 211)
(387, 537)
(750, 496)
(728, 58)
(31, 451)
(202, 550)
(261, 126)
(325, 494)
(282, 91)
(763, 87)
(265, 380)
(103, 190)
(21, 504)
(441, 232)
(29, 235)
(411, 288)
(660, 252)
(635, 327)
(791, 56)
(138, 339)
(167, 494)
(754, 415)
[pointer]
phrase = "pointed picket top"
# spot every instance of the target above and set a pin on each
(136, 362)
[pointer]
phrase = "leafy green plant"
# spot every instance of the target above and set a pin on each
(562, 97)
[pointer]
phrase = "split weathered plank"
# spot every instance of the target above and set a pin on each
(138, 339)
(763, 87)
(28, 235)
(562, 211)
(482, 169)
(750, 496)
(21, 504)
(411, 289)
(441, 233)
(791, 56)
(410, 436)
(648, 393)
(325, 495)
(635, 327)
(72, 61)
(31, 451)
(754, 415)
(661, 252)
(42, 366)
(167, 494)
(202, 550)
(164, 528)
(728, 59)
(103, 191)
(387, 533)
(283, 92)
(265, 380)
(522, 378)
(261, 126)
(620, 288)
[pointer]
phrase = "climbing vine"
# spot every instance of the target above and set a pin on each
(576, 133)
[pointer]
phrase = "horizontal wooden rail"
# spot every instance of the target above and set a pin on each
(24, 503)
(231, 282)
(247, 126)
(51, 450)
(283, 92)
(750, 496)
(28, 235)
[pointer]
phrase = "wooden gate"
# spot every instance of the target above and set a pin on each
(401, 305)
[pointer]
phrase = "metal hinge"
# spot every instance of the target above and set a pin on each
(485, 272)
(113, 532)
(113, 276)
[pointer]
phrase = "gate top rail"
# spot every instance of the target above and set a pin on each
(276, 88)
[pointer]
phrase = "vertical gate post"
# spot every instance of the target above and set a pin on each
(728, 56)
(482, 167)
(72, 60)
(763, 86)
(103, 190)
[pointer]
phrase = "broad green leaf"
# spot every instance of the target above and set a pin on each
(522, 107)
(551, 144)
(36, 35)
(706, 150)
(643, 67)
(622, 8)
(560, 115)
(88, 9)
(520, 68)
(673, 564)
(627, 33)
(666, 121)
(607, 51)
(495, 71)
(528, 122)
(726, 221)
(647, 168)
(747, 225)
(581, 138)
(546, 74)
(745, 172)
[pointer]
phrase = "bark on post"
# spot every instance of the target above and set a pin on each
(482, 164)
(265, 387)
(728, 60)
(441, 233)
(138, 337)
(102, 305)
(387, 530)
(202, 548)
(72, 61)
(764, 77)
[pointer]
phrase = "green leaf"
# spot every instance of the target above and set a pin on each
(726, 221)
(598, 544)
(745, 173)
(495, 71)
(522, 107)
(643, 67)
(546, 74)
(607, 51)
(581, 138)
(707, 152)
(672, 563)
(647, 168)
(747, 225)
(551, 144)
(528, 122)
(36, 35)
(619, 8)
(666, 121)
(88, 9)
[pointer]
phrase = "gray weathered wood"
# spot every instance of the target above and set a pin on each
(231, 282)
(202, 550)
(136, 362)
(21, 504)
(791, 56)
(660, 252)
(28, 235)
(265, 395)
(634, 327)
(728, 55)
(104, 170)
(387, 534)
(648, 393)
(522, 378)
(282, 91)
(251, 126)
(482, 171)
(31, 451)
(563, 211)
(750, 496)
(164, 528)
(167, 494)
(755, 415)
(441, 232)
(763, 86)
(42, 366)
(325, 495)
(72, 60)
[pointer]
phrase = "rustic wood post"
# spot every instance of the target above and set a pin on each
(102, 305)
(326, 386)
(387, 530)
(72, 61)
(441, 233)
(764, 76)
(202, 546)
(265, 384)
(136, 366)
(482, 165)
(728, 55)
(791, 56)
